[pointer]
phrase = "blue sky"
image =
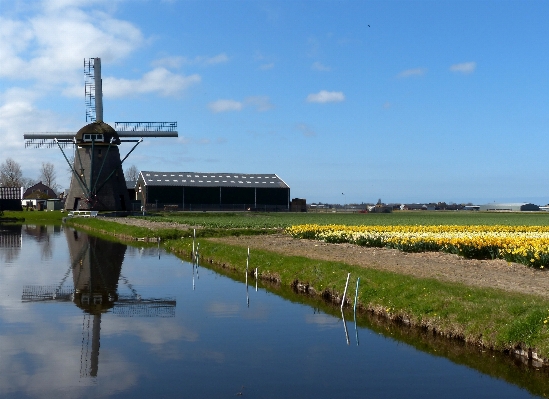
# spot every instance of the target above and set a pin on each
(347, 101)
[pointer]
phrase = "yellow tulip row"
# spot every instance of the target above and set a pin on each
(522, 244)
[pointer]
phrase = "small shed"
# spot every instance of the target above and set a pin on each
(54, 205)
(298, 205)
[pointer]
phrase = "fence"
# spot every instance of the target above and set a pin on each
(11, 193)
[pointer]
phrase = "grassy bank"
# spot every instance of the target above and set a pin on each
(486, 317)
(128, 232)
(38, 217)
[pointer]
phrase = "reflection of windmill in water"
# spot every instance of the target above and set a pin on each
(96, 269)
(98, 181)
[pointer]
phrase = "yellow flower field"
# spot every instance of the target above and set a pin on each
(522, 244)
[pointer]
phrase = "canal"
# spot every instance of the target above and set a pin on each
(85, 317)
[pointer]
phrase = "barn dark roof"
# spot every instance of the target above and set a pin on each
(212, 179)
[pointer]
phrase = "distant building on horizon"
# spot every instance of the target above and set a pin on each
(510, 207)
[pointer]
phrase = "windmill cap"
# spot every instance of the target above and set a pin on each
(98, 132)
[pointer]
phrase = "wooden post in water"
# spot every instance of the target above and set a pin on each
(345, 291)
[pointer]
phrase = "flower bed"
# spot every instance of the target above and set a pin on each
(521, 244)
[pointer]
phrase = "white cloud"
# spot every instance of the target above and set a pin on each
(412, 72)
(261, 103)
(178, 61)
(266, 61)
(324, 96)
(218, 59)
(318, 66)
(305, 129)
(172, 62)
(59, 38)
(15, 120)
(225, 106)
(464, 67)
(159, 80)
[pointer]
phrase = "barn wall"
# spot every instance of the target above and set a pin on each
(273, 196)
(202, 195)
(238, 195)
(165, 195)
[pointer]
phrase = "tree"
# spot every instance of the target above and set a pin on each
(10, 174)
(48, 175)
(132, 173)
(26, 182)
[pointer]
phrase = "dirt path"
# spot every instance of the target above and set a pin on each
(511, 277)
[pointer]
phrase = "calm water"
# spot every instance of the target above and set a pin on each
(81, 317)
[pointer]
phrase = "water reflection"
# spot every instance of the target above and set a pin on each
(43, 235)
(282, 345)
(10, 242)
(96, 267)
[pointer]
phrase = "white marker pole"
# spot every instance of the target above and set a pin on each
(194, 237)
(356, 295)
(345, 291)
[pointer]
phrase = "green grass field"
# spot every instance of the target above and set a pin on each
(260, 220)
(42, 217)
(254, 220)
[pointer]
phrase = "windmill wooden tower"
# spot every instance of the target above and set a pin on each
(98, 181)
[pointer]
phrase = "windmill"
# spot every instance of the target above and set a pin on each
(96, 267)
(97, 178)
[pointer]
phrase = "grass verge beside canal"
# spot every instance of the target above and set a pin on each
(35, 217)
(487, 317)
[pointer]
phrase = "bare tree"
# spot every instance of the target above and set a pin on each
(26, 182)
(48, 175)
(132, 173)
(10, 174)
(70, 165)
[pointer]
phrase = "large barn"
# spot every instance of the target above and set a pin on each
(212, 191)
